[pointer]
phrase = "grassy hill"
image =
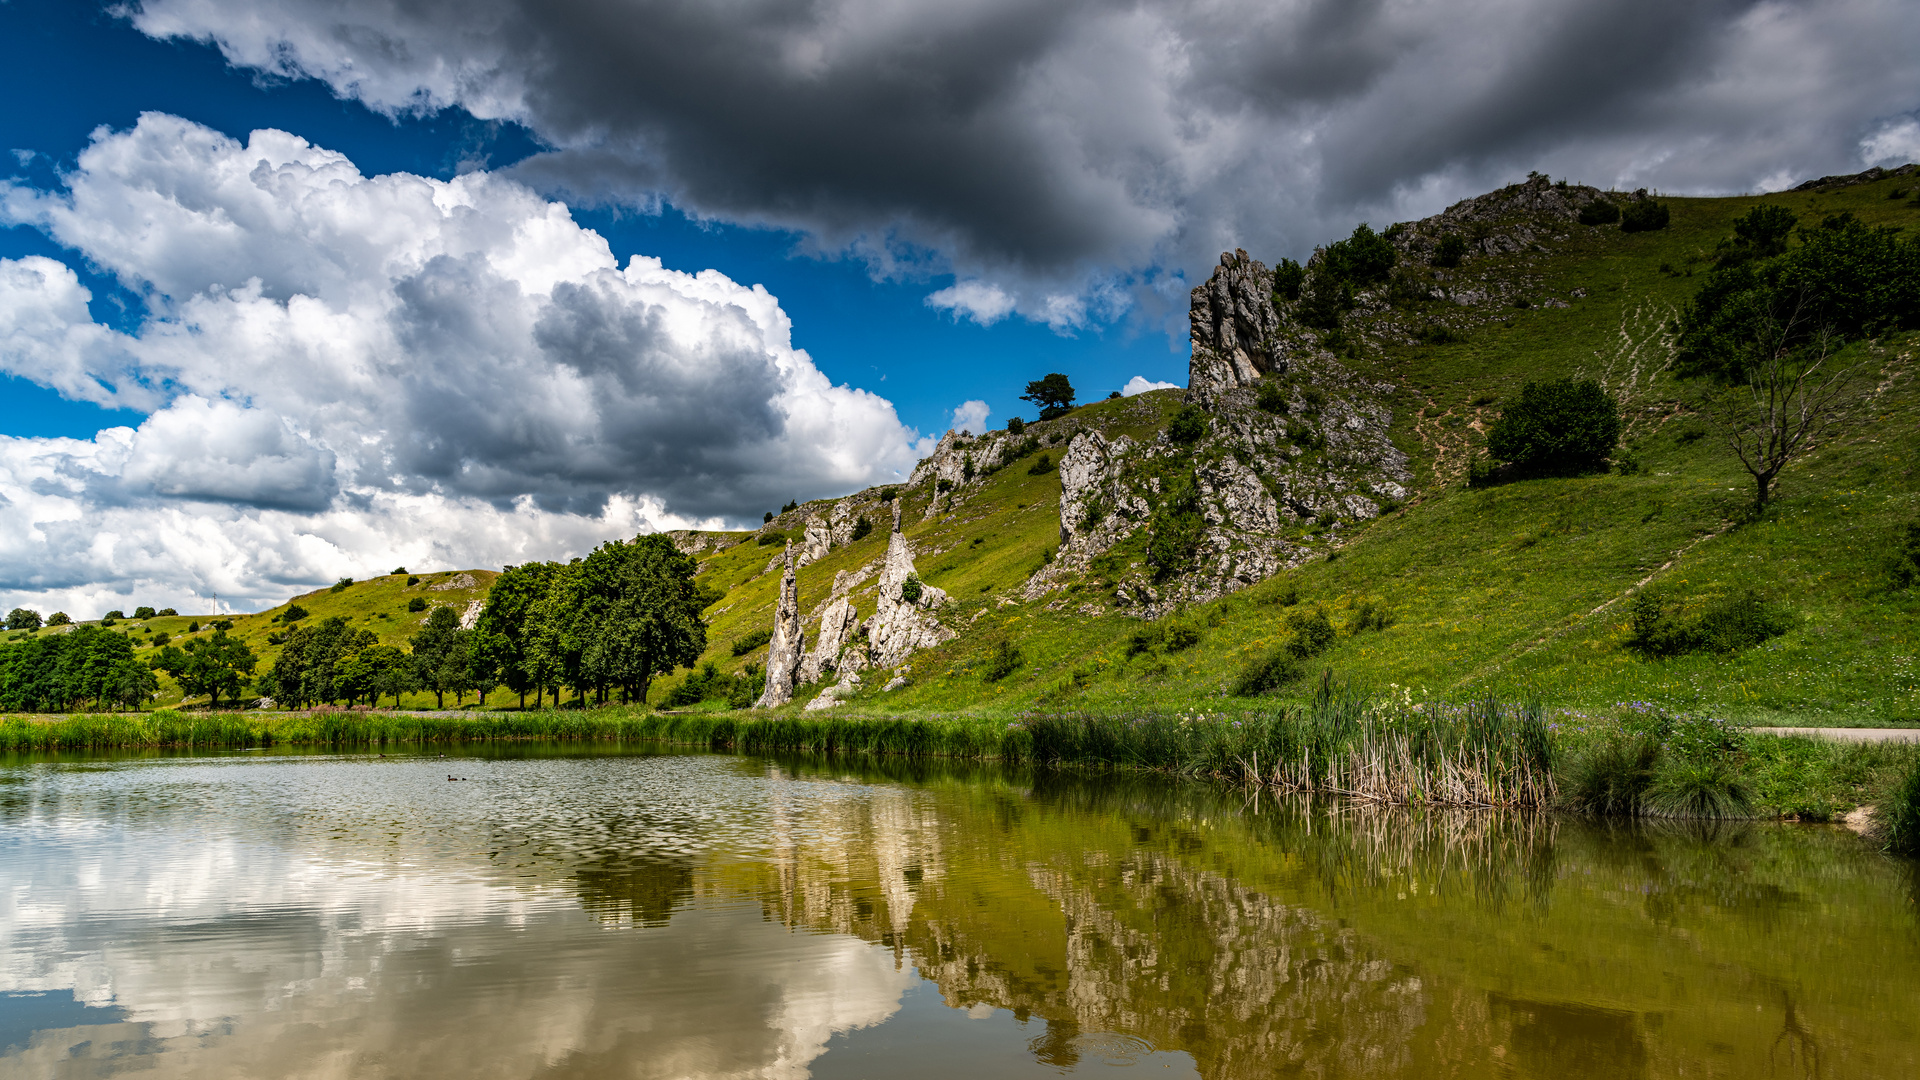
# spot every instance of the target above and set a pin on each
(1517, 587)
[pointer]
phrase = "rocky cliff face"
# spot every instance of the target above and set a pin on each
(902, 625)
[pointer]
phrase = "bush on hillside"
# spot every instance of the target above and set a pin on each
(59, 618)
(752, 641)
(1188, 425)
(418, 603)
(342, 585)
(1599, 212)
(1738, 622)
(1365, 258)
(1760, 233)
(413, 579)
(1041, 465)
(1006, 656)
(1449, 251)
(1370, 615)
(1016, 425)
(168, 611)
(143, 613)
(1559, 428)
(770, 537)
(1904, 567)
(1287, 279)
(23, 619)
(1174, 530)
(1270, 398)
(910, 589)
(116, 613)
(1642, 214)
(294, 613)
(862, 527)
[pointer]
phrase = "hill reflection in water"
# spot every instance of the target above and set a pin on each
(596, 914)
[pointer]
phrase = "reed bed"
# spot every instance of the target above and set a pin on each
(1479, 752)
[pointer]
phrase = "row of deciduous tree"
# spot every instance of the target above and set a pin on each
(603, 625)
(87, 665)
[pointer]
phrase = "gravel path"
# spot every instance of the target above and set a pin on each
(1847, 734)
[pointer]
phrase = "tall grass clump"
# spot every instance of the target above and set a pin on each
(1480, 752)
(1899, 825)
(1658, 765)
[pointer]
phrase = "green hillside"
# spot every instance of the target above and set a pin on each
(1516, 586)
(378, 604)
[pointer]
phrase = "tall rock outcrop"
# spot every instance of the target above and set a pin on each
(787, 651)
(816, 542)
(902, 625)
(1232, 322)
(834, 650)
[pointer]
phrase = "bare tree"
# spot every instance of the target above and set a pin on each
(1796, 393)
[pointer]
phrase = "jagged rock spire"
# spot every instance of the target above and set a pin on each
(787, 650)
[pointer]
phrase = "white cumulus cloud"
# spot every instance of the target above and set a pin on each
(1140, 384)
(971, 416)
(342, 369)
(977, 300)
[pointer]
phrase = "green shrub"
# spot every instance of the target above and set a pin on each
(1599, 212)
(59, 618)
(1188, 425)
(1270, 398)
(1642, 214)
(1002, 661)
(1899, 815)
(108, 620)
(1613, 777)
(1449, 251)
(1699, 788)
(1760, 233)
(1904, 568)
(193, 627)
(1287, 279)
(942, 486)
(1016, 425)
(1182, 635)
(910, 589)
(161, 638)
(1365, 258)
(143, 613)
(1738, 622)
(861, 527)
(294, 613)
(1557, 428)
(752, 641)
(1174, 530)
(698, 686)
(770, 537)
(342, 585)
(1370, 616)
(791, 506)
(1437, 334)
(168, 611)
(1312, 634)
(1041, 465)
(116, 613)
(418, 603)
(413, 579)
(1267, 673)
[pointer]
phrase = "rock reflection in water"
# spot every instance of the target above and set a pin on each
(719, 917)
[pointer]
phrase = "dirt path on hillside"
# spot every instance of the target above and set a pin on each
(1846, 734)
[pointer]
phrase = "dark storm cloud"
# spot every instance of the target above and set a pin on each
(1065, 147)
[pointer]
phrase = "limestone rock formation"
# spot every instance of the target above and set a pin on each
(833, 647)
(787, 650)
(900, 626)
(816, 542)
(848, 685)
(1232, 321)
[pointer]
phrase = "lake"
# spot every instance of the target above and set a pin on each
(584, 912)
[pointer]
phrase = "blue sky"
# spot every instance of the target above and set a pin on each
(81, 68)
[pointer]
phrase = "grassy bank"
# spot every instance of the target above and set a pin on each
(1472, 752)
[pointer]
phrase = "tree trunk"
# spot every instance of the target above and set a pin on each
(523, 701)
(439, 699)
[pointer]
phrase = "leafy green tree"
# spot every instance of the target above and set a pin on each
(1188, 425)
(1642, 214)
(1450, 250)
(638, 615)
(1053, 394)
(440, 655)
(59, 618)
(1174, 530)
(217, 666)
(1760, 233)
(501, 652)
(1365, 258)
(1563, 427)
(23, 619)
(130, 684)
(1287, 279)
(304, 673)
(143, 612)
(375, 671)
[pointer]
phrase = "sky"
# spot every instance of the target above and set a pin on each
(294, 290)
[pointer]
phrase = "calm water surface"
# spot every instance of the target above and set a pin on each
(586, 914)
